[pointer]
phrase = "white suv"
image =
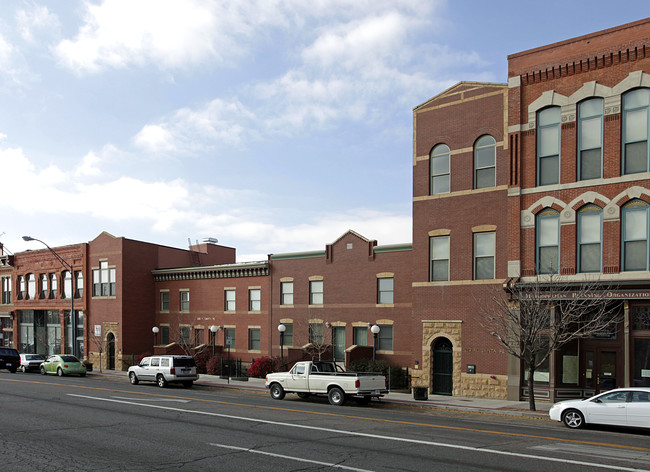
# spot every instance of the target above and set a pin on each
(164, 370)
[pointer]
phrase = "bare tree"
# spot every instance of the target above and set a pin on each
(531, 320)
(319, 337)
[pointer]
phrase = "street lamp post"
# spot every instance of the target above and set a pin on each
(213, 330)
(155, 330)
(282, 328)
(375, 331)
(73, 318)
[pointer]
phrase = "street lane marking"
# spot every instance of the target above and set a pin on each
(339, 415)
(282, 456)
(368, 435)
(176, 400)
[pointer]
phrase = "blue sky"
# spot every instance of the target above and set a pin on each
(274, 126)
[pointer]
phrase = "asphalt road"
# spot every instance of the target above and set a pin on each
(92, 423)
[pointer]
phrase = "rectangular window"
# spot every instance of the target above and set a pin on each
(254, 339)
(104, 280)
(589, 239)
(78, 284)
(185, 300)
(43, 291)
(198, 337)
(229, 337)
(484, 249)
(636, 110)
(164, 335)
(548, 242)
(635, 236)
(288, 334)
(53, 286)
(316, 292)
(6, 290)
(439, 270)
(286, 293)
(164, 301)
(316, 333)
(360, 335)
(21, 287)
(385, 338)
(254, 299)
(338, 341)
(385, 290)
(185, 335)
(229, 304)
(548, 146)
(590, 138)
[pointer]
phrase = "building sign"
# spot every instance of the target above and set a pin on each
(597, 294)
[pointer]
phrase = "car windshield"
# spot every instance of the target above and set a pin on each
(184, 362)
(69, 359)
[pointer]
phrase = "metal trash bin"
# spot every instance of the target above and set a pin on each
(420, 393)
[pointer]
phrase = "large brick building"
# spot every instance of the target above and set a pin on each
(545, 175)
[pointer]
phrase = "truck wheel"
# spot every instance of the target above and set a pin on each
(336, 396)
(304, 395)
(277, 392)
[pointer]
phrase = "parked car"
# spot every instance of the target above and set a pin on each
(63, 364)
(618, 407)
(9, 359)
(165, 370)
(31, 362)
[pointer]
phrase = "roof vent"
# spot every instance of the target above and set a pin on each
(210, 240)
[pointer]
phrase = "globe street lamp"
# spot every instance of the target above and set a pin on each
(155, 330)
(282, 328)
(375, 331)
(213, 330)
(73, 318)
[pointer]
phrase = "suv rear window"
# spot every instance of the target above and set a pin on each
(184, 362)
(8, 352)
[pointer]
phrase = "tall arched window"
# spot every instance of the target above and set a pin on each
(590, 139)
(31, 287)
(485, 158)
(590, 224)
(548, 242)
(636, 106)
(548, 146)
(67, 284)
(439, 165)
(635, 236)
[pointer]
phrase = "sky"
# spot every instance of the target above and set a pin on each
(274, 126)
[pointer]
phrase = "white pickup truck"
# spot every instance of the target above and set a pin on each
(326, 378)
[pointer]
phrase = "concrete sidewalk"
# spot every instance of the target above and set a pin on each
(516, 408)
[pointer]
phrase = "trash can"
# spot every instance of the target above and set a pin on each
(420, 393)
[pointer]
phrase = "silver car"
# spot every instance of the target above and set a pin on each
(165, 370)
(30, 362)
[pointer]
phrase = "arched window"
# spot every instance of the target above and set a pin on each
(67, 284)
(548, 242)
(439, 165)
(636, 106)
(590, 236)
(590, 139)
(31, 287)
(548, 146)
(635, 236)
(485, 162)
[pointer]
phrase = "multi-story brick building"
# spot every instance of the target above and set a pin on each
(579, 191)
(547, 175)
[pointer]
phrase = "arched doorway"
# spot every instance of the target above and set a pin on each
(443, 367)
(110, 352)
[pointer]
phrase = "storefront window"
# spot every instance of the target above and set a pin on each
(640, 317)
(641, 363)
(569, 364)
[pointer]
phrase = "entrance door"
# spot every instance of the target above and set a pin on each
(111, 351)
(443, 365)
(601, 369)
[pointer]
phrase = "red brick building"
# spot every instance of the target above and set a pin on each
(547, 175)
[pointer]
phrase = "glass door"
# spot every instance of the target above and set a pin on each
(600, 370)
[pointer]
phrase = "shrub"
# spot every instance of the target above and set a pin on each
(262, 366)
(201, 360)
(213, 366)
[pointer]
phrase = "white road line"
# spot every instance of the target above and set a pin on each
(282, 456)
(142, 399)
(373, 436)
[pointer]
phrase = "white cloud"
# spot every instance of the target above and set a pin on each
(155, 138)
(34, 21)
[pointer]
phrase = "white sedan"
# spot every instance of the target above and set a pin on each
(618, 407)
